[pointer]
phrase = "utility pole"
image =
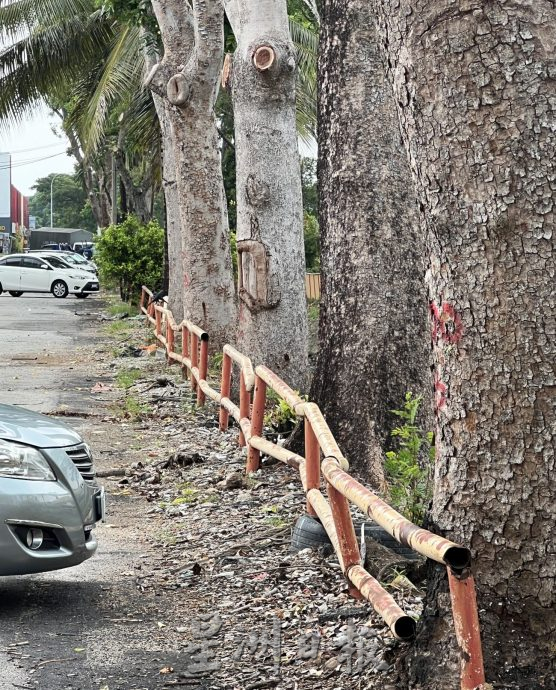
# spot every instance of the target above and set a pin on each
(52, 201)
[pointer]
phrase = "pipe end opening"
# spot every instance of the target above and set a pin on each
(457, 558)
(404, 628)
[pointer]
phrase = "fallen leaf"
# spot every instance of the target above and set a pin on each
(166, 669)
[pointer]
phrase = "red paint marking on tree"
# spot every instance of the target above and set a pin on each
(440, 389)
(446, 323)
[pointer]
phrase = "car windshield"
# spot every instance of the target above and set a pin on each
(76, 259)
(57, 262)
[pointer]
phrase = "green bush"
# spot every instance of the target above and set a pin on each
(312, 242)
(408, 473)
(133, 255)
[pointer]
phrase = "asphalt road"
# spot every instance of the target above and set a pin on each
(86, 627)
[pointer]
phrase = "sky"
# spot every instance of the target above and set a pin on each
(31, 141)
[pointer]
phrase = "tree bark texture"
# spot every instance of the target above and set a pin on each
(373, 320)
(475, 88)
(188, 78)
(273, 314)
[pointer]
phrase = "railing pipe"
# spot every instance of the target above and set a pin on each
(284, 391)
(203, 370)
(244, 405)
(225, 388)
(312, 463)
(420, 540)
(257, 420)
(194, 359)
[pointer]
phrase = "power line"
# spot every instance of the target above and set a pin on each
(34, 148)
(30, 161)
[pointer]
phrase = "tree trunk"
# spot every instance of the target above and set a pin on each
(373, 318)
(273, 314)
(206, 269)
(474, 83)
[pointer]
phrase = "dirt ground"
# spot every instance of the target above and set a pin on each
(194, 584)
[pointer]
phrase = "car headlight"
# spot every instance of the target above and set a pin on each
(23, 462)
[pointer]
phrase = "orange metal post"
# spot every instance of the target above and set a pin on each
(184, 347)
(225, 387)
(169, 341)
(257, 419)
(468, 635)
(312, 462)
(158, 316)
(194, 358)
(142, 302)
(203, 368)
(346, 533)
(244, 404)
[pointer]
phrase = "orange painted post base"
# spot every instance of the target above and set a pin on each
(203, 369)
(468, 634)
(257, 419)
(225, 388)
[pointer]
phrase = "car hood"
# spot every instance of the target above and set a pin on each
(23, 426)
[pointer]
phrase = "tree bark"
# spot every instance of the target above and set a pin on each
(474, 84)
(191, 87)
(373, 318)
(273, 315)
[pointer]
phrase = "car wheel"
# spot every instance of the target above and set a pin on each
(59, 289)
(0, 288)
(15, 293)
(81, 295)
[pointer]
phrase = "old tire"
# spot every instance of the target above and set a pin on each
(59, 289)
(308, 533)
(15, 293)
(380, 535)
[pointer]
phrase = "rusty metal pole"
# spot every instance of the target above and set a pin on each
(225, 387)
(468, 634)
(158, 316)
(244, 405)
(169, 341)
(203, 369)
(257, 419)
(346, 533)
(194, 359)
(142, 301)
(184, 348)
(312, 463)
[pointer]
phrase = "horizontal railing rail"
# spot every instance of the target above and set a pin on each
(323, 466)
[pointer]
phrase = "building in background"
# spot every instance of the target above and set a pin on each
(14, 208)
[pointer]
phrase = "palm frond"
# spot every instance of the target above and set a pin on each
(305, 41)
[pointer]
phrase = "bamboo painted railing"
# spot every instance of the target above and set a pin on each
(323, 465)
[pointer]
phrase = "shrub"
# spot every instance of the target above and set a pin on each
(133, 255)
(408, 473)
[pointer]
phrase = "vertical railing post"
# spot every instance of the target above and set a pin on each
(194, 359)
(468, 635)
(158, 317)
(184, 347)
(203, 369)
(142, 301)
(225, 388)
(312, 462)
(345, 531)
(257, 419)
(170, 341)
(244, 404)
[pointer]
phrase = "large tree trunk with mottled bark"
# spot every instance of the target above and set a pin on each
(373, 319)
(475, 88)
(273, 315)
(190, 87)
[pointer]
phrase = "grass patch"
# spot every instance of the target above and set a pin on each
(127, 377)
(313, 310)
(122, 308)
(275, 521)
(131, 408)
(118, 327)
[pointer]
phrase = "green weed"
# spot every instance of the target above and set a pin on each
(409, 468)
(118, 327)
(127, 377)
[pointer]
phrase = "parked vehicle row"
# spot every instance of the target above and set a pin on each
(45, 272)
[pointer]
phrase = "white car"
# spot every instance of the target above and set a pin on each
(21, 273)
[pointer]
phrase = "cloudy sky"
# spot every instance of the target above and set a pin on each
(36, 150)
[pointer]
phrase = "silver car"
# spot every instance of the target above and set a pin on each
(49, 497)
